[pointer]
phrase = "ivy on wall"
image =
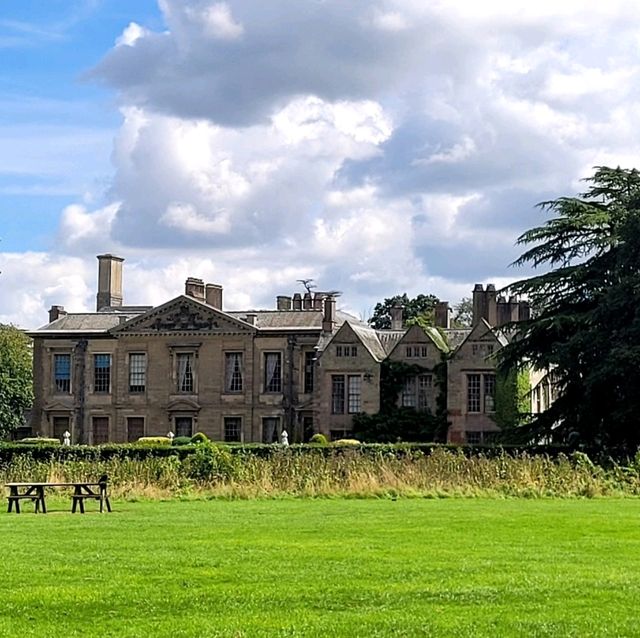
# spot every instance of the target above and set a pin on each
(512, 398)
(393, 423)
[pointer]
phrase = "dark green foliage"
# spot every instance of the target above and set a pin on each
(420, 306)
(393, 423)
(199, 437)
(318, 439)
(210, 462)
(181, 440)
(586, 329)
(512, 398)
(16, 378)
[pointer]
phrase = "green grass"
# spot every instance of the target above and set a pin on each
(415, 567)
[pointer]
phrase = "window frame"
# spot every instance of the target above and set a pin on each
(234, 384)
(226, 420)
(275, 384)
(308, 380)
(56, 388)
(190, 358)
(98, 386)
(140, 388)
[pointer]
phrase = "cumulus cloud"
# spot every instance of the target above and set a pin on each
(377, 147)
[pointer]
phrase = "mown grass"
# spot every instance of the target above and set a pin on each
(341, 567)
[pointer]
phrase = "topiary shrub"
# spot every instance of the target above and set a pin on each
(199, 437)
(346, 443)
(210, 463)
(181, 440)
(318, 439)
(39, 440)
(154, 440)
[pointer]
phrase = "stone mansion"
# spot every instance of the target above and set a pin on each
(189, 366)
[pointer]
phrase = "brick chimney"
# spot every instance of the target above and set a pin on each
(194, 287)
(491, 309)
(213, 295)
(442, 315)
(318, 298)
(55, 312)
(109, 281)
(396, 317)
(297, 301)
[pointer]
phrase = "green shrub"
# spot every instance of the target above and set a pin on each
(209, 463)
(199, 437)
(154, 440)
(181, 440)
(318, 439)
(40, 440)
(346, 443)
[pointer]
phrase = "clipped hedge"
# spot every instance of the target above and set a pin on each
(140, 451)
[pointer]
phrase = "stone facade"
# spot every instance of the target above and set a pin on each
(188, 366)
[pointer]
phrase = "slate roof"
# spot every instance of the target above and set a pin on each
(87, 322)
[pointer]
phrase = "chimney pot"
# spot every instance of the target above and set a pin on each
(442, 315)
(251, 318)
(55, 312)
(194, 287)
(283, 302)
(297, 301)
(329, 317)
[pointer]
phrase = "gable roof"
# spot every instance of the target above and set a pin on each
(481, 329)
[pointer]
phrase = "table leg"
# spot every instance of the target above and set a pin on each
(42, 501)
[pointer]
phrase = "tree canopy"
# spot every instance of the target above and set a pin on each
(586, 330)
(422, 306)
(16, 387)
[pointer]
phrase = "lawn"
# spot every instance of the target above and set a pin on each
(452, 567)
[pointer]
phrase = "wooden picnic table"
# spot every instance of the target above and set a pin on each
(35, 492)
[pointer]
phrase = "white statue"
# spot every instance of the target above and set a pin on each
(66, 438)
(284, 438)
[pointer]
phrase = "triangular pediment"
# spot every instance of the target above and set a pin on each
(183, 315)
(58, 406)
(482, 331)
(429, 336)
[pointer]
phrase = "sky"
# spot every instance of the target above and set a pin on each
(377, 147)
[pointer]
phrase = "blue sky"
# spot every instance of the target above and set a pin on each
(377, 147)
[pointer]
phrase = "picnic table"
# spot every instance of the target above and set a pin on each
(34, 491)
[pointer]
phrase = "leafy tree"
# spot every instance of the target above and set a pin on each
(16, 383)
(422, 306)
(463, 317)
(586, 330)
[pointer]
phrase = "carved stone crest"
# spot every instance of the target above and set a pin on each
(184, 318)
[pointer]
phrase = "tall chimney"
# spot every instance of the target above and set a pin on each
(479, 304)
(283, 302)
(109, 281)
(514, 309)
(194, 287)
(317, 301)
(329, 317)
(504, 311)
(442, 315)
(297, 301)
(213, 293)
(491, 309)
(396, 317)
(55, 312)
(524, 311)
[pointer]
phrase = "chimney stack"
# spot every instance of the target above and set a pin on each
(307, 301)
(396, 317)
(283, 302)
(109, 281)
(491, 309)
(194, 287)
(479, 304)
(317, 301)
(251, 318)
(442, 315)
(297, 301)
(524, 311)
(213, 294)
(329, 317)
(55, 312)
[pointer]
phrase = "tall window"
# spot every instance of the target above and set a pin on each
(409, 393)
(309, 363)
(489, 392)
(346, 392)
(135, 428)
(137, 372)
(337, 394)
(354, 396)
(62, 372)
(473, 393)
(233, 372)
(425, 383)
(481, 393)
(185, 372)
(102, 373)
(273, 372)
(100, 429)
(270, 429)
(184, 425)
(232, 428)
